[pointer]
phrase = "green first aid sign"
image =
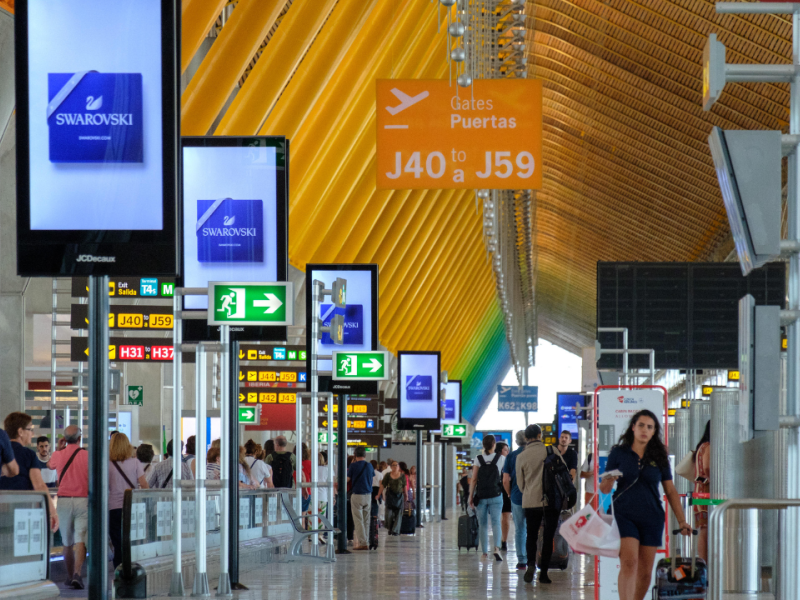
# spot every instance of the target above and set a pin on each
(248, 414)
(245, 303)
(454, 430)
(360, 366)
(136, 395)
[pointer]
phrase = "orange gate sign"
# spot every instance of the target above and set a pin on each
(432, 135)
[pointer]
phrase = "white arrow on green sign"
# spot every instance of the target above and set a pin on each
(248, 414)
(247, 303)
(454, 430)
(360, 366)
(322, 436)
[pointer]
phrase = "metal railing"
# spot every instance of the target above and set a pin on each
(147, 520)
(24, 538)
(716, 536)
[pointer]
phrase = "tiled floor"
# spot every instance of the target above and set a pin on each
(427, 565)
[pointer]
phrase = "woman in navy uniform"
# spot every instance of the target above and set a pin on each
(638, 505)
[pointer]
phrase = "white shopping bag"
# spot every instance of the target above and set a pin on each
(590, 532)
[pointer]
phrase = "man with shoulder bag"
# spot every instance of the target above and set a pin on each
(72, 466)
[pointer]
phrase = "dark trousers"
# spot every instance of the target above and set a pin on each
(533, 519)
(350, 523)
(115, 533)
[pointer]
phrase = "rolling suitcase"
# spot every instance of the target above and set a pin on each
(560, 556)
(680, 578)
(408, 522)
(373, 526)
(468, 532)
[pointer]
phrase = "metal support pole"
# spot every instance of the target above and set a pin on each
(229, 469)
(445, 487)
(54, 367)
(176, 585)
(416, 491)
(342, 480)
(298, 454)
(98, 426)
(233, 473)
(316, 299)
(200, 586)
(422, 476)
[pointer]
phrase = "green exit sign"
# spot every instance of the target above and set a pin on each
(454, 430)
(248, 414)
(242, 303)
(322, 436)
(360, 366)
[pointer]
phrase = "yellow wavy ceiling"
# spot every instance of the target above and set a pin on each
(627, 173)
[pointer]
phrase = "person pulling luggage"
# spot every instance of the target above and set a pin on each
(485, 491)
(641, 456)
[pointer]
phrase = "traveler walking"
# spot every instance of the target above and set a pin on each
(125, 472)
(567, 453)
(19, 427)
(188, 458)
(261, 471)
(587, 473)
(212, 463)
(463, 488)
(360, 475)
(160, 476)
(505, 516)
(641, 456)
(376, 484)
(49, 476)
(72, 467)
(485, 492)
(145, 455)
(515, 495)
(305, 470)
(702, 474)
(323, 474)
(283, 464)
(8, 463)
(394, 491)
(530, 480)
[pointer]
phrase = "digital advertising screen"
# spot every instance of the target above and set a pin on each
(96, 137)
(234, 219)
(451, 414)
(418, 386)
(360, 319)
(569, 411)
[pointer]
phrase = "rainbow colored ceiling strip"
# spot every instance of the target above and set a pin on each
(483, 365)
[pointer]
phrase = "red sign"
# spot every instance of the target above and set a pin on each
(131, 352)
(162, 352)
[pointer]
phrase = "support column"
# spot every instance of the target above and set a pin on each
(417, 497)
(200, 586)
(98, 426)
(342, 475)
(229, 493)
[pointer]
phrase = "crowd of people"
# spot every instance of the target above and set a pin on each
(67, 470)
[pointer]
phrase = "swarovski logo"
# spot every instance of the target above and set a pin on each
(230, 231)
(94, 259)
(229, 221)
(92, 104)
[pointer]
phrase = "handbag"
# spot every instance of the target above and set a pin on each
(591, 532)
(685, 468)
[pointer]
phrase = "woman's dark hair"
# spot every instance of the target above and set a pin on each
(269, 447)
(499, 447)
(655, 450)
(250, 446)
(145, 453)
(190, 445)
(16, 421)
(404, 468)
(488, 443)
(706, 437)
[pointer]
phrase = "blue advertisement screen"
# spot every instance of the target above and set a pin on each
(357, 313)
(452, 403)
(419, 390)
(230, 228)
(95, 115)
(568, 413)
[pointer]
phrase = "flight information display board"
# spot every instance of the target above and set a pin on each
(97, 136)
(134, 316)
(126, 349)
(129, 287)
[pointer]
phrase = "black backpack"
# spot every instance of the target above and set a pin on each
(282, 470)
(488, 485)
(559, 490)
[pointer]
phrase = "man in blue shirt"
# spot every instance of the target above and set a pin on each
(517, 512)
(9, 467)
(360, 475)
